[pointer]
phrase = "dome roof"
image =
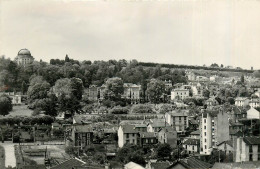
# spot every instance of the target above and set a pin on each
(24, 52)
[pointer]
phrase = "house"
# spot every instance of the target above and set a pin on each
(226, 146)
(247, 149)
(211, 102)
(190, 162)
(132, 92)
(16, 98)
(168, 135)
(195, 134)
(81, 136)
(241, 101)
(178, 120)
(93, 93)
(179, 93)
(154, 125)
(234, 134)
(193, 123)
(132, 165)
(191, 145)
(191, 76)
(148, 138)
(214, 129)
(127, 134)
(252, 113)
(237, 126)
(254, 103)
(237, 113)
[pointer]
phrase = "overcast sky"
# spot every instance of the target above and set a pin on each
(177, 32)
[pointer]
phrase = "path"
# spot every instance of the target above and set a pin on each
(9, 154)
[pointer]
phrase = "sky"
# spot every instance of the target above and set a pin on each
(168, 31)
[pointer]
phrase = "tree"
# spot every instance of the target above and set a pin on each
(67, 59)
(242, 79)
(69, 92)
(206, 93)
(114, 88)
(5, 104)
(155, 90)
(164, 151)
(24, 87)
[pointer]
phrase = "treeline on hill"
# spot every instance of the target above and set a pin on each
(59, 86)
(216, 68)
(17, 78)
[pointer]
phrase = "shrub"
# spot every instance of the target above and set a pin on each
(143, 109)
(119, 110)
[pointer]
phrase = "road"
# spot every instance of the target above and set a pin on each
(9, 154)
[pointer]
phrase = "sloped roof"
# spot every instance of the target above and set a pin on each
(158, 123)
(147, 134)
(38, 166)
(191, 162)
(197, 132)
(192, 141)
(252, 113)
(68, 164)
(246, 165)
(253, 140)
(160, 165)
(132, 165)
(229, 142)
(178, 113)
(83, 129)
(129, 129)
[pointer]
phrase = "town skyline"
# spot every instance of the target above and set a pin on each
(188, 33)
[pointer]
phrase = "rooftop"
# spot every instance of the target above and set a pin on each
(192, 141)
(253, 140)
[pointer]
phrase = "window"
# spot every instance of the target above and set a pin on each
(192, 147)
(127, 135)
(180, 118)
(133, 134)
(205, 120)
(205, 133)
(205, 140)
(205, 147)
(133, 140)
(204, 127)
(258, 152)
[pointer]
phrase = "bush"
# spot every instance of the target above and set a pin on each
(142, 109)
(119, 110)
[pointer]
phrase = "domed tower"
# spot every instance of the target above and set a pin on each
(24, 57)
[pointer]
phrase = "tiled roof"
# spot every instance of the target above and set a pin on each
(246, 165)
(132, 165)
(69, 164)
(39, 166)
(83, 129)
(129, 129)
(167, 129)
(178, 113)
(192, 141)
(197, 132)
(191, 162)
(229, 142)
(253, 140)
(147, 134)
(160, 165)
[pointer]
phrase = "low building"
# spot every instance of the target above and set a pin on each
(195, 134)
(168, 135)
(190, 162)
(154, 125)
(241, 101)
(191, 145)
(178, 120)
(226, 146)
(82, 136)
(148, 138)
(254, 103)
(247, 149)
(127, 134)
(252, 113)
(179, 94)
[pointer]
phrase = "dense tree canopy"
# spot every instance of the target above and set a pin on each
(5, 104)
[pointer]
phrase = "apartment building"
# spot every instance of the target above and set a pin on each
(132, 92)
(247, 149)
(178, 120)
(241, 101)
(127, 134)
(214, 127)
(179, 94)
